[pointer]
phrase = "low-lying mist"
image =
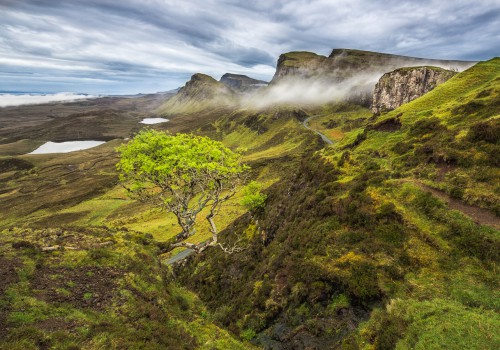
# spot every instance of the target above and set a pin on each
(31, 99)
(311, 91)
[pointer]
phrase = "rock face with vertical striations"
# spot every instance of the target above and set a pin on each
(406, 84)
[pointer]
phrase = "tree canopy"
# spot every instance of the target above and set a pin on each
(184, 174)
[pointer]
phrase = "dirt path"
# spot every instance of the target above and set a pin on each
(323, 136)
(478, 215)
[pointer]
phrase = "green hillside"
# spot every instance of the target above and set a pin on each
(449, 138)
(388, 238)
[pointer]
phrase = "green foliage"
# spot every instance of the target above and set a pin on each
(157, 159)
(248, 334)
(425, 126)
(338, 302)
(182, 173)
(427, 203)
(253, 199)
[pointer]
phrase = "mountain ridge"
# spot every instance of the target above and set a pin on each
(345, 74)
(200, 92)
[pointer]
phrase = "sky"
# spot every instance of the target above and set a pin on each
(143, 46)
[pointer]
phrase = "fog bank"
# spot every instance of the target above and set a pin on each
(309, 91)
(28, 99)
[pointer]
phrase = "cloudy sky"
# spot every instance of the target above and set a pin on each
(132, 46)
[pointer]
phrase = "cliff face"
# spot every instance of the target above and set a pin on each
(358, 71)
(240, 82)
(406, 84)
(301, 64)
(343, 64)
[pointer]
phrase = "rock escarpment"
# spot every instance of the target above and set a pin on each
(301, 64)
(240, 82)
(406, 84)
(355, 71)
(343, 64)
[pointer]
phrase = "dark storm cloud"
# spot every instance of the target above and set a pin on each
(148, 45)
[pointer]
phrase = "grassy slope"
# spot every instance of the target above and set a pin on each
(356, 252)
(104, 290)
(439, 133)
(63, 197)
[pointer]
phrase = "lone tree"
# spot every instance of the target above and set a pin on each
(184, 174)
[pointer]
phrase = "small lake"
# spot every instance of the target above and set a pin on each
(153, 120)
(65, 147)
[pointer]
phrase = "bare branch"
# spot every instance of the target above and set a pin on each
(234, 249)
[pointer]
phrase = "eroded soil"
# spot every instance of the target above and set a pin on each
(85, 287)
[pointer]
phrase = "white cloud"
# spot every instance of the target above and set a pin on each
(136, 42)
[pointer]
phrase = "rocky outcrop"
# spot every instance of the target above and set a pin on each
(241, 83)
(358, 71)
(406, 84)
(343, 64)
(301, 64)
